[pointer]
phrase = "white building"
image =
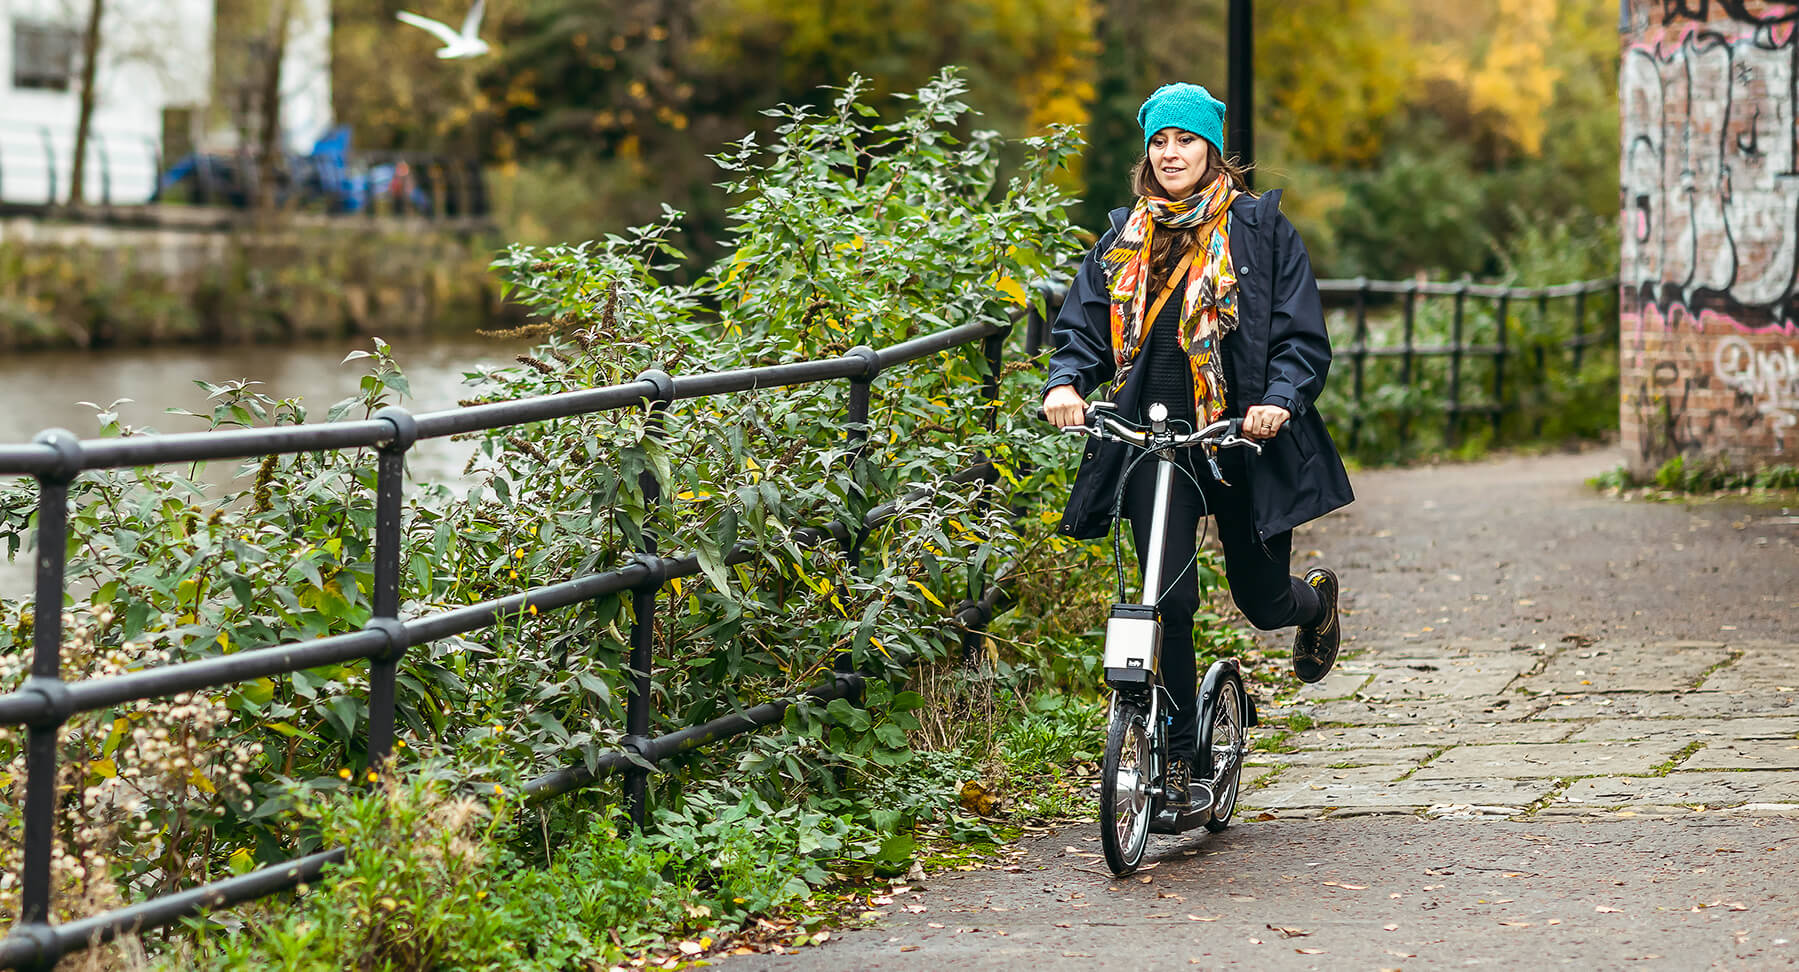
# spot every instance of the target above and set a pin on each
(156, 92)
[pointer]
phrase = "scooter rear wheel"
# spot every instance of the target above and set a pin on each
(1225, 720)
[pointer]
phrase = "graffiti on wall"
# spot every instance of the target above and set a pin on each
(1710, 175)
(1768, 378)
(1709, 195)
(1741, 11)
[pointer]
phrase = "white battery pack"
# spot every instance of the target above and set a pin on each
(1133, 644)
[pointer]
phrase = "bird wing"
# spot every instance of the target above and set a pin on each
(439, 30)
(471, 25)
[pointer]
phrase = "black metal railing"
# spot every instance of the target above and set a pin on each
(1517, 355)
(1516, 365)
(44, 702)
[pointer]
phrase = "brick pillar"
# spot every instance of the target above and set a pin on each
(1710, 203)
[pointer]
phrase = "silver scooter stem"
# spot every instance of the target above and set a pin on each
(1158, 529)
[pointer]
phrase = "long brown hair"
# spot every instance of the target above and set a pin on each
(1166, 246)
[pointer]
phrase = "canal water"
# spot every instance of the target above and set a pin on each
(41, 390)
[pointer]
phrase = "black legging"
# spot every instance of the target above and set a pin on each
(1258, 573)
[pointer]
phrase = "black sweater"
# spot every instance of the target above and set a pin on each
(1168, 378)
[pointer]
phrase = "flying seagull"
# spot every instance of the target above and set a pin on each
(468, 43)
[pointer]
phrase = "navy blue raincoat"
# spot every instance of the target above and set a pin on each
(1279, 355)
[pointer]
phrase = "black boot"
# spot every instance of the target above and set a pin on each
(1315, 647)
(1179, 780)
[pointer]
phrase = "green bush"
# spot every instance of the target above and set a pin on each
(1701, 475)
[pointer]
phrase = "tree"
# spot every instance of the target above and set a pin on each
(1330, 72)
(84, 118)
(253, 43)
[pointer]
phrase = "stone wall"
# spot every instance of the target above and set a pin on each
(1710, 206)
(168, 275)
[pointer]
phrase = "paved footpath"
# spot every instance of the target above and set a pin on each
(1565, 733)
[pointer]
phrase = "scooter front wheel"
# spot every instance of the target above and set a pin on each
(1127, 778)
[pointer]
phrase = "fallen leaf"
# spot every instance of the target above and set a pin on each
(1255, 941)
(1204, 917)
(933, 924)
(1390, 927)
(1077, 954)
(908, 948)
(1609, 910)
(1289, 932)
(1516, 924)
(1553, 921)
(691, 948)
(1309, 951)
(915, 909)
(1399, 954)
(1346, 887)
(1145, 879)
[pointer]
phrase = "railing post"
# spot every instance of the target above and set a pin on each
(203, 179)
(643, 610)
(1405, 360)
(1537, 350)
(860, 393)
(974, 636)
(390, 481)
(1580, 328)
(105, 168)
(1452, 433)
(1505, 315)
(49, 163)
(1036, 323)
(1361, 359)
(46, 680)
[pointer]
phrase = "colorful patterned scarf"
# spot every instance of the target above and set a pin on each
(1209, 306)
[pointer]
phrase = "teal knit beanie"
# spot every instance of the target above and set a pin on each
(1188, 107)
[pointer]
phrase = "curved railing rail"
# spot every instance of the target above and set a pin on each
(44, 702)
(1459, 400)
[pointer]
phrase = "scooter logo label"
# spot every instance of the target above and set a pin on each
(1133, 663)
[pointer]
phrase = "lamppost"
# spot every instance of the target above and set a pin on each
(1241, 136)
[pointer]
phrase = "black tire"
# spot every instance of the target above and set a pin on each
(1126, 775)
(1224, 723)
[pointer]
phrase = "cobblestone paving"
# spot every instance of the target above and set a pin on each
(1488, 728)
(1595, 700)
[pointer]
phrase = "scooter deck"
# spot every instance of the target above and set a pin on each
(1179, 820)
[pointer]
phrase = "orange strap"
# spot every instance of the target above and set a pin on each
(1168, 289)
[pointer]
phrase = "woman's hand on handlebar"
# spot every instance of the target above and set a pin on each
(1064, 407)
(1263, 421)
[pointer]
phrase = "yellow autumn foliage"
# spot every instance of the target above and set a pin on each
(1514, 77)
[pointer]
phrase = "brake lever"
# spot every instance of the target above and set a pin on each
(1212, 461)
(1232, 441)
